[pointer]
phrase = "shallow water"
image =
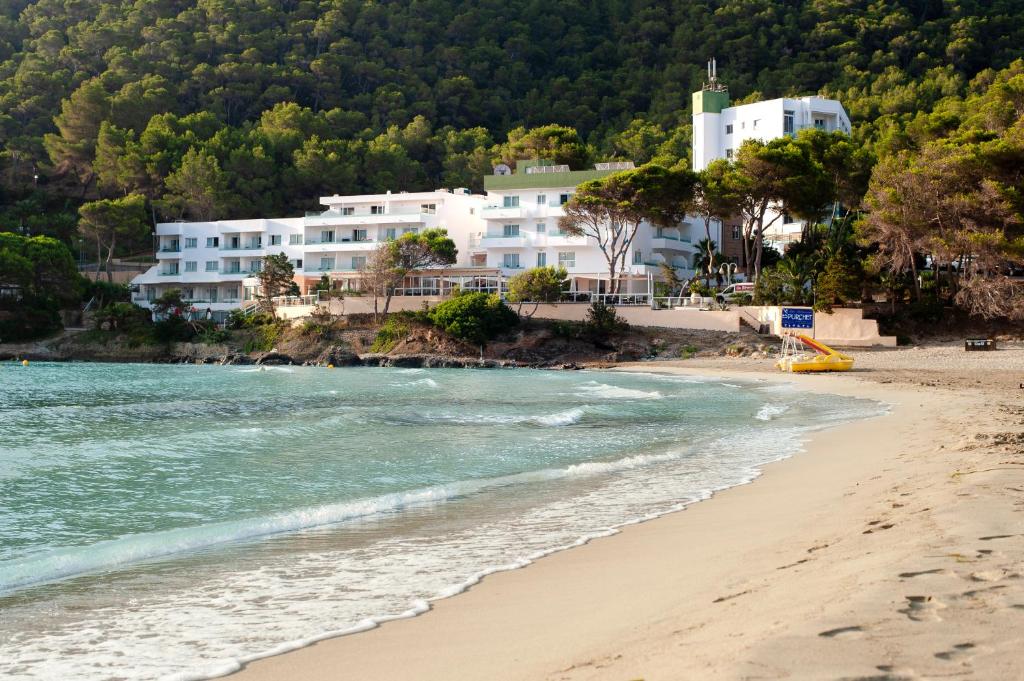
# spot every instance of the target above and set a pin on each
(172, 521)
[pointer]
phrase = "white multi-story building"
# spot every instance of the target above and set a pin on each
(521, 231)
(513, 228)
(720, 129)
(214, 264)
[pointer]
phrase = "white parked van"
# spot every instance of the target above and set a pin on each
(732, 291)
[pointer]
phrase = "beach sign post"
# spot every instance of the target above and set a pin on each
(798, 318)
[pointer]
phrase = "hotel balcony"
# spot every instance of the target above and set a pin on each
(667, 242)
(340, 245)
(397, 215)
(243, 247)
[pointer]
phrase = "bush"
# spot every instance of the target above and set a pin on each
(105, 292)
(211, 335)
(173, 329)
(263, 338)
(121, 316)
(239, 320)
(474, 317)
(603, 321)
(838, 284)
(392, 331)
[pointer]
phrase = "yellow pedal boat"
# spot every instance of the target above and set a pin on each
(826, 359)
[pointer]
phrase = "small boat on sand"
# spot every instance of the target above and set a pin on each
(824, 358)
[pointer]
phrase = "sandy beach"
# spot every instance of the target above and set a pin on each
(891, 548)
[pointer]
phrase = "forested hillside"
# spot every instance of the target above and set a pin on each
(223, 108)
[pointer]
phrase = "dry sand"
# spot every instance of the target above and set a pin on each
(891, 549)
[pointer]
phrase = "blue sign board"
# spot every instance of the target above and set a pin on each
(797, 318)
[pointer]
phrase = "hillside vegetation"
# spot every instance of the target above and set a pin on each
(216, 109)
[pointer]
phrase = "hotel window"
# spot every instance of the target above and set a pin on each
(819, 123)
(510, 230)
(787, 219)
(542, 228)
(327, 236)
(294, 239)
(190, 265)
(638, 258)
(542, 259)
(756, 121)
(788, 122)
(211, 293)
(542, 199)
(390, 233)
(511, 261)
(188, 294)
(358, 262)
(275, 239)
(735, 232)
(231, 293)
(510, 202)
(728, 129)
(191, 242)
(567, 259)
(296, 263)
(728, 153)
(428, 208)
(212, 241)
(359, 235)
(348, 210)
(256, 266)
(326, 264)
(376, 210)
(211, 265)
(563, 199)
(410, 230)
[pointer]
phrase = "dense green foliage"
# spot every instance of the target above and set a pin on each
(474, 317)
(214, 109)
(537, 285)
(37, 278)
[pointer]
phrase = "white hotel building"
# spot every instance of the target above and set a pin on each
(513, 228)
(720, 129)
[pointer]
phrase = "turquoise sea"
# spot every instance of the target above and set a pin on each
(172, 522)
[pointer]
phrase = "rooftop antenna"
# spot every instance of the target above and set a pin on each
(712, 83)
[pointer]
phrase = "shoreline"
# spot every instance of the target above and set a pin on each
(455, 634)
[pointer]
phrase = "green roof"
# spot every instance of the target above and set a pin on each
(571, 178)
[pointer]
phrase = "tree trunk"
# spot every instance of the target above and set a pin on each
(110, 257)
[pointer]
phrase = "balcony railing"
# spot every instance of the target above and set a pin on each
(170, 249)
(243, 247)
(169, 273)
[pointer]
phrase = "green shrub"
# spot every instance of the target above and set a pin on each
(603, 321)
(239, 320)
(565, 329)
(390, 333)
(173, 329)
(474, 317)
(211, 335)
(263, 338)
(105, 292)
(838, 284)
(121, 316)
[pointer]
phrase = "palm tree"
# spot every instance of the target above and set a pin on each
(709, 260)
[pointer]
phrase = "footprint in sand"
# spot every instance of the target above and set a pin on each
(988, 575)
(962, 653)
(844, 632)
(920, 573)
(923, 608)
